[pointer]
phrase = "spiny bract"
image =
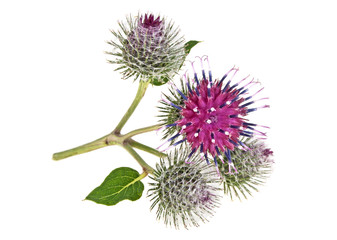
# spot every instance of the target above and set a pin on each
(183, 193)
(148, 48)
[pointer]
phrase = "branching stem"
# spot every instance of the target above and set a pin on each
(146, 168)
(142, 130)
(116, 138)
(145, 148)
(97, 144)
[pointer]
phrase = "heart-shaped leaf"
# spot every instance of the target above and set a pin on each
(122, 183)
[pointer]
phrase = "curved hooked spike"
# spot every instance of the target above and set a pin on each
(187, 83)
(235, 72)
(175, 144)
(188, 162)
(216, 166)
(243, 79)
(229, 81)
(195, 80)
(170, 103)
(251, 82)
(169, 140)
(230, 166)
(224, 77)
(233, 68)
(185, 74)
(189, 156)
(237, 84)
(230, 163)
(202, 67)
(262, 126)
(203, 154)
(257, 92)
(195, 73)
(161, 145)
(265, 98)
(159, 129)
(170, 125)
(254, 109)
(254, 125)
(259, 132)
(192, 64)
(205, 57)
(177, 89)
(219, 154)
(246, 104)
(209, 69)
(264, 106)
(207, 161)
(200, 59)
(244, 146)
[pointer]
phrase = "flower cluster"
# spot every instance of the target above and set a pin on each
(210, 117)
(148, 47)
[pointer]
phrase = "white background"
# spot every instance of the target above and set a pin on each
(57, 92)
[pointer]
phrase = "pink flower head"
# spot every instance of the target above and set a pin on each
(213, 115)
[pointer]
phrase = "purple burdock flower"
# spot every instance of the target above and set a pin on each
(148, 48)
(211, 115)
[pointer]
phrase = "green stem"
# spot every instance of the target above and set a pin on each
(140, 93)
(99, 143)
(147, 168)
(145, 148)
(115, 137)
(111, 139)
(141, 130)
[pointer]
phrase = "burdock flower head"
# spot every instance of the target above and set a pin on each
(183, 193)
(254, 166)
(211, 114)
(148, 47)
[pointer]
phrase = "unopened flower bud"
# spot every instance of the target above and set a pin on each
(254, 165)
(148, 47)
(184, 194)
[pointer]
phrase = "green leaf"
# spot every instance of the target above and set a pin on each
(122, 183)
(159, 82)
(189, 45)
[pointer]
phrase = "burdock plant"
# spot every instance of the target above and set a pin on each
(206, 117)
